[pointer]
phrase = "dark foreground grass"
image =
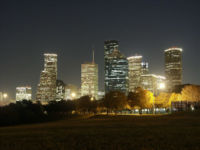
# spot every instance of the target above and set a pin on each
(172, 132)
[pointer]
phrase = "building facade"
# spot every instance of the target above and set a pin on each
(145, 67)
(116, 68)
(134, 72)
(109, 47)
(173, 67)
(46, 90)
(153, 83)
(60, 90)
(23, 93)
(89, 80)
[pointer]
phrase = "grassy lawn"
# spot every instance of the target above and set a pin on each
(169, 132)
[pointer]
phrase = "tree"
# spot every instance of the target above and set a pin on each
(145, 98)
(93, 106)
(59, 109)
(114, 100)
(133, 99)
(191, 93)
(163, 100)
(83, 104)
(174, 97)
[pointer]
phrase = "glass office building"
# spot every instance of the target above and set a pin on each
(116, 68)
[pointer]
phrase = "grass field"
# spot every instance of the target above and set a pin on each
(172, 132)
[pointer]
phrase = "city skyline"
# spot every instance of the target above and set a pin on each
(29, 32)
(115, 49)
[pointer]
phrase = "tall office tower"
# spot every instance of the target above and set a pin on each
(173, 67)
(116, 68)
(46, 90)
(153, 83)
(60, 90)
(89, 79)
(145, 68)
(134, 72)
(109, 47)
(23, 93)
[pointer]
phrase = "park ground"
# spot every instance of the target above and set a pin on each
(101, 132)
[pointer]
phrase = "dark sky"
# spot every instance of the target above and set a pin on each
(70, 28)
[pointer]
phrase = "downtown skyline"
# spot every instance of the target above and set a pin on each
(25, 38)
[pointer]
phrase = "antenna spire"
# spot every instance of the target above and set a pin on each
(92, 55)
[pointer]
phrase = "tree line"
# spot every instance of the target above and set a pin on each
(24, 111)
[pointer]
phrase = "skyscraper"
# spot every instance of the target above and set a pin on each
(116, 68)
(89, 79)
(109, 47)
(134, 72)
(60, 90)
(46, 90)
(173, 67)
(23, 93)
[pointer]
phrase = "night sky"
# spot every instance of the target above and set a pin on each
(71, 28)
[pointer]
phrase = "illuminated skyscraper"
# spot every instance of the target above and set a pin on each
(153, 83)
(23, 93)
(46, 90)
(116, 68)
(134, 72)
(89, 79)
(173, 67)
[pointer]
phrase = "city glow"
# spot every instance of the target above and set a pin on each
(73, 95)
(5, 95)
(162, 86)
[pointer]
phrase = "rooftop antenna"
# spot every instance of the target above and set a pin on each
(93, 54)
